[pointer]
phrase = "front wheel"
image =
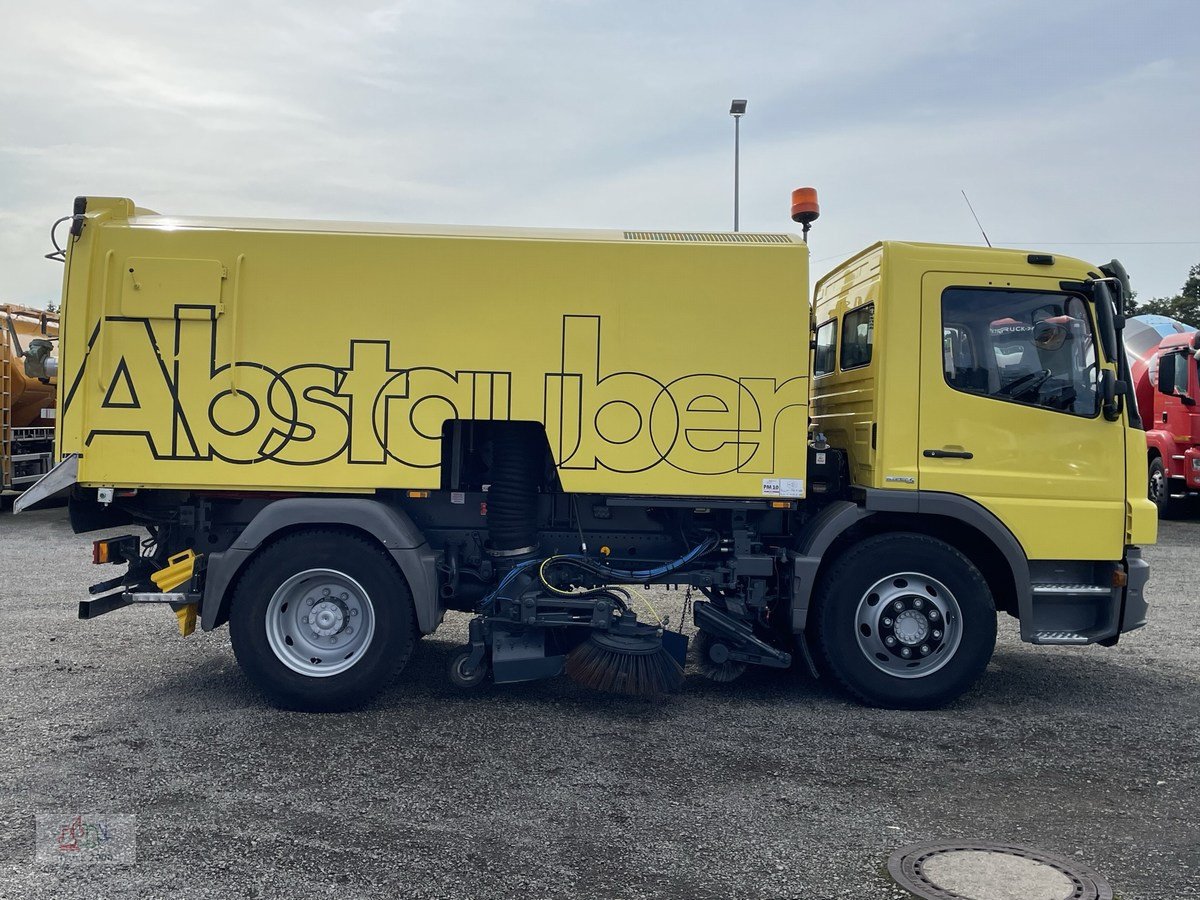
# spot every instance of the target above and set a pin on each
(904, 621)
(321, 621)
(1159, 487)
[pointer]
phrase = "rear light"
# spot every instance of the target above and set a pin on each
(121, 549)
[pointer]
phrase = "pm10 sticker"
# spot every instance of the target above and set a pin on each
(783, 487)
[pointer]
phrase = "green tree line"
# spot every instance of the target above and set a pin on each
(1184, 306)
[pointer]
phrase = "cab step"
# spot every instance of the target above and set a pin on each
(1074, 612)
(1071, 590)
(1060, 637)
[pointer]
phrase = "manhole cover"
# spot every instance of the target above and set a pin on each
(979, 871)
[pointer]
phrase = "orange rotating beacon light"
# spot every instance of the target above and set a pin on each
(805, 208)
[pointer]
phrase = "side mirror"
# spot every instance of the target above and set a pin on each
(1112, 393)
(1173, 376)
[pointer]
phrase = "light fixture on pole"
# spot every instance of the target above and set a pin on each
(737, 109)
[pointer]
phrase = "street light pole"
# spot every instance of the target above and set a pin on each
(737, 109)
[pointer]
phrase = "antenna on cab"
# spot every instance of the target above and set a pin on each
(977, 222)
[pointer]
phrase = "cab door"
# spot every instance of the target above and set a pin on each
(1010, 412)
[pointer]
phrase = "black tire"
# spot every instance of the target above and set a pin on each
(458, 676)
(848, 583)
(379, 661)
(1159, 486)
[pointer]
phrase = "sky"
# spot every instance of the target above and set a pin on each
(1072, 126)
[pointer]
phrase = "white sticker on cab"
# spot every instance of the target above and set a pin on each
(791, 487)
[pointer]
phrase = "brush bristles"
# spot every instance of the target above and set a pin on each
(634, 674)
(714, 671)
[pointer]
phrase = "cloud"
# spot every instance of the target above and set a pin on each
(1072, 125)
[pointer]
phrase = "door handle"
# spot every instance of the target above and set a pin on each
(949, 454)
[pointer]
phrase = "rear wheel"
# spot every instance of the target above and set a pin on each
(904, 621)
(321, 621)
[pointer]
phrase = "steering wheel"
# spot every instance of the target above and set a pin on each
(1032, 380)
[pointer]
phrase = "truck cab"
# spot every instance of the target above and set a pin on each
(979, 390)
(1169, 395)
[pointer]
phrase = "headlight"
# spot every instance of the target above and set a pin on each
(1196, 463)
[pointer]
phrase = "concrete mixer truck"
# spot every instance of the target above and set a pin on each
(26, 402)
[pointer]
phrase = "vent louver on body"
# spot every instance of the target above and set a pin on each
(716, 237)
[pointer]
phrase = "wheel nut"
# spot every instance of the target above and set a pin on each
(933, 614)
(345, 596)
(310, 601)
(937, 635)
(918, 603)
(886, 621)
(306, 620)
(898, 605)
(890, 641)
(324, 592)
(906, 652)
(924, 649)
(353, 611)
(349, 631)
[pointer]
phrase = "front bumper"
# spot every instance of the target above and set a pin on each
(1135, 608)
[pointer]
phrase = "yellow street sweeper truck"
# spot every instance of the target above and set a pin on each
(332, 433)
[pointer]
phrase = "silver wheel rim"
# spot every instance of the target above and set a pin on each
(1158, 487)
(319, 622)
(908, 625)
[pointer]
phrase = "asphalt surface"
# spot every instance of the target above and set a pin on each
(769, 787)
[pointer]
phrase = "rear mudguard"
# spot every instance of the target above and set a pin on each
(394, 531)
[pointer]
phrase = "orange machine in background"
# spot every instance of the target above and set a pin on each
(26, 403)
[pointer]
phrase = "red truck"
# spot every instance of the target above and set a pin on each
(1166, 379)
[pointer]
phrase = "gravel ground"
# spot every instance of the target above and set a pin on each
(770, 787)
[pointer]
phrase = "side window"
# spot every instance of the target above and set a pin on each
(858, 334)
(826, 348)
(1030, 347)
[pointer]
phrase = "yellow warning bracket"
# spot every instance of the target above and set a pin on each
(187, 619)
(177, 571)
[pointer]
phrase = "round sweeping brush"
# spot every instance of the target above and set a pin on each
(624, 664)
(712, 658)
